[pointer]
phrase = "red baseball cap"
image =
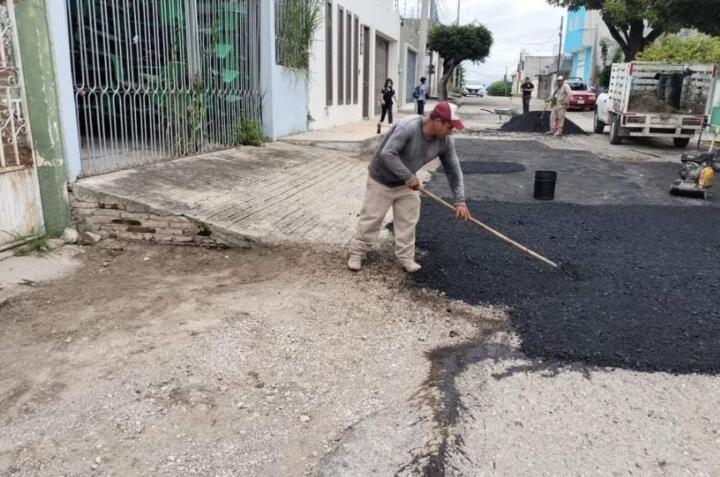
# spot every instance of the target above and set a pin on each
(447, 112)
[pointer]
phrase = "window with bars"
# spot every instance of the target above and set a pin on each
(341, 56)
(356, 58)
(328, 54)
(348, 58)
(15, 150)
(282, 45)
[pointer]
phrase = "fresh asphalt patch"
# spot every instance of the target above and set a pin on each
(645, 266)
(488, 167)
(537, 121)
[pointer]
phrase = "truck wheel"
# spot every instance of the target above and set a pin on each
(598, 126)
(681, 142)
(615, 137)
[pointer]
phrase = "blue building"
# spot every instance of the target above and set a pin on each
(576, 47)
(585, 32)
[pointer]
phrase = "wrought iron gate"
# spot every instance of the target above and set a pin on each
(162, 79)
(20, 205)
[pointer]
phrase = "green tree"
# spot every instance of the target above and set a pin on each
(456, 44)
(675, 49)
(500, 88)
(635, 24)
(603, 76)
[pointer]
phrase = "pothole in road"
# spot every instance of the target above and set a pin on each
(490, 167)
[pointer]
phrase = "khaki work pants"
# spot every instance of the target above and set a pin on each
(557, 119)
(405, 204)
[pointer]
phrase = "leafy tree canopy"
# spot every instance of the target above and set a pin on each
(635, 24)
(675, 49)
(456, 44)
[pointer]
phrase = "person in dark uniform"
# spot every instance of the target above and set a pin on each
(387, 95)
(527, 89)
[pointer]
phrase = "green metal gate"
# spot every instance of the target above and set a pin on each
(20, 206)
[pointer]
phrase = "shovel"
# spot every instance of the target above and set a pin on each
(539, 125)
(495, 232)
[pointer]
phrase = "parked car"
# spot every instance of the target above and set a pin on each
(581, 97)
(474, 90)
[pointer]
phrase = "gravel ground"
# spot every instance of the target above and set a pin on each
(180, 361)
(532, 417)
(173, 361)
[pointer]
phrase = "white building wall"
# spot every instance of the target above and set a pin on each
(381, 18)
(285, 91)
(533, 67)
(595, 32)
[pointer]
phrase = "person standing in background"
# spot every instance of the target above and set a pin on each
(559, 103)
(420, 95)
(527, 89)
(387, 95)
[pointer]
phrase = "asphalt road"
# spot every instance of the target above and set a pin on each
(643, 261)
(610, 373)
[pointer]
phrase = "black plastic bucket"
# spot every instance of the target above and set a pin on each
(545, 185)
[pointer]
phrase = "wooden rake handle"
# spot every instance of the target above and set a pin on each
(492, 231)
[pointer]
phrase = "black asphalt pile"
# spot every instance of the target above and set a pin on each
(647, 293)
(487, 167)
(536, 121)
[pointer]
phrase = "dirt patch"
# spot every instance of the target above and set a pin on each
(151, 359)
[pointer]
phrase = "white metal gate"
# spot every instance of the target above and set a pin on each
(20, 205)
(163, 78)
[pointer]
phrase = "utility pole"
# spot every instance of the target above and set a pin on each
(456, 78)
(424, 13)
(562, 20)
(506, 81)
(593, 73)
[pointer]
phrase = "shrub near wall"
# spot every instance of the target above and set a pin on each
(500, 88)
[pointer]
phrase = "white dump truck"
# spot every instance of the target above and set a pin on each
(648, 99)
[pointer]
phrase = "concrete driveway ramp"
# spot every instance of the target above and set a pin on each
(279, 193)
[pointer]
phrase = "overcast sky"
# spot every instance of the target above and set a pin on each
(515, 24)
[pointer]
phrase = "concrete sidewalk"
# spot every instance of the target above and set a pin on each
(358, 138)
(268, 195)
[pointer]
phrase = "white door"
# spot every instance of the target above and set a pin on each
(20, 206)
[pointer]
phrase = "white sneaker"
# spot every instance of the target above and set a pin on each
(410, 266)
(354, 263)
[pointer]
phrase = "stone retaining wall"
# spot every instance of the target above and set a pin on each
(115, 219)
